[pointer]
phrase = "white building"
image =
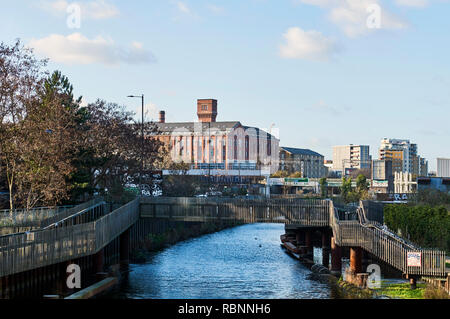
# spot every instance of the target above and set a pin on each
(443, 167)
(403, 183)
(410, 158)
(351, 157)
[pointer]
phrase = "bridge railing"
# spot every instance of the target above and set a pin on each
(32, 218)
(390, 249)
(26, 251)
(313, 212)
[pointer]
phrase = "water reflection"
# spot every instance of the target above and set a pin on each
(242, 262)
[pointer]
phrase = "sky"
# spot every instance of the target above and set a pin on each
(322, 72)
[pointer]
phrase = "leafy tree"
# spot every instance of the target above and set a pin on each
(323, 186)
(362, 188)
(424, 225)
(346, 189)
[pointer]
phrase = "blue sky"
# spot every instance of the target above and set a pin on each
(311, 67)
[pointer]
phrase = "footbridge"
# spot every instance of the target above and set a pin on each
(97, 234)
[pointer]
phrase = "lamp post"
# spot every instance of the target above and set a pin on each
(142, 141)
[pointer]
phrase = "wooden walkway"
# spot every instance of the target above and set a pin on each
(91, 229)
(59, 243)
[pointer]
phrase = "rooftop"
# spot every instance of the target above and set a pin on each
(300, 151)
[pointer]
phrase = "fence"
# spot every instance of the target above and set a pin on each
(311, 212)
(386, 247)
(59, 243)
(26, 251)
(29, 218)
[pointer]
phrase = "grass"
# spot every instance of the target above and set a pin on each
(403, 291)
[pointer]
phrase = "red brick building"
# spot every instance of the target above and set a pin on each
(226, 148)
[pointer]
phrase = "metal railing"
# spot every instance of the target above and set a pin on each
(26, 251)
(29, 218)
(382, 244)
(55, 244)
(307, 212)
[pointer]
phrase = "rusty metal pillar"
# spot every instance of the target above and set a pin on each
(413, 282)
(336, 257)
(356, 260)
(125, 247)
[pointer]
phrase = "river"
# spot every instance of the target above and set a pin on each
(244, 262)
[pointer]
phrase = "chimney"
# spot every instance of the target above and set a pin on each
(162, 117)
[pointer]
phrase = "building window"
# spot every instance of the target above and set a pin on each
(199, 149)
(269, 146)
(247, 148)
(204, 107)
(235, 148)
(224, 149)
(203, 149)
(212, 147)
(181, 146)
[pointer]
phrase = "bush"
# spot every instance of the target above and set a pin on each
(424, 225)
(432, 292)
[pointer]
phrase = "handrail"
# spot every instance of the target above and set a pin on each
(44, 247)
(385, 245)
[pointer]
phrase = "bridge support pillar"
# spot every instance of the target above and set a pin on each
(336, 258)
(356, 260)
(308, 244)
(325, 249)
(99, 261)
(125, 248)
(298, 238)
(413, 282)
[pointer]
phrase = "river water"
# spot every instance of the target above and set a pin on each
(244, 262)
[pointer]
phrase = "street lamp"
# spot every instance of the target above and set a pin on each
(142, 140)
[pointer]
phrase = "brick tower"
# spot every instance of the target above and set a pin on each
(207, 110)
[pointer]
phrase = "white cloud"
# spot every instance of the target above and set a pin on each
(307, 45)
(183, 7)
(412, 3)
(78, 49)
(151, 111)
(96, 9)
(216, 9)
(351, 15)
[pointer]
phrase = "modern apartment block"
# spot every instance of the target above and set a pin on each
(404, 157)
(309, 163)
(351, 157)
(443, 167)
(382, 176)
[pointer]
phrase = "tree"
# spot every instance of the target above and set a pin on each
(323, 187)
(362, 188)
(21, 76)
(113, 148)
(346, 189)
(52, 147)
